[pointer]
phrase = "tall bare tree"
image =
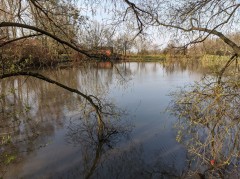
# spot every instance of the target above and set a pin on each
(194, 20)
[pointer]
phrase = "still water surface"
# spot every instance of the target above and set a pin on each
(53, 134)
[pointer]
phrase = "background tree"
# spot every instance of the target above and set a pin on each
(95, 35)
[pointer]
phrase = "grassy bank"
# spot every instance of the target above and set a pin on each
(133, 58)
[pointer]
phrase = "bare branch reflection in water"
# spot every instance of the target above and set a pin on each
(102, 160)
(30, 111)
(209, 125)
(95, 140)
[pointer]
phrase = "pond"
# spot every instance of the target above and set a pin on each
(48, 132)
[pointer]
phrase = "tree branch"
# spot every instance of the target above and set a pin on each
(225, 67)
(138, 12)
(44, 78)
(14, 24)
(17, 39)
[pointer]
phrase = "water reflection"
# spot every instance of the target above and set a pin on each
(48, 132)
(209, 126)
(31, 111)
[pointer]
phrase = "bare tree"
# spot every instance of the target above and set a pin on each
(194, 20)
(96, 35)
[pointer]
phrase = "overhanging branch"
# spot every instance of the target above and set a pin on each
(25, 26)
(44, 78)
(17, 39)
(154, 20)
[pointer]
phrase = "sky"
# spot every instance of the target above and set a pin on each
(98, 12)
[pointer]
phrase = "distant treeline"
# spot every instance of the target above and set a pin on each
(211, 46)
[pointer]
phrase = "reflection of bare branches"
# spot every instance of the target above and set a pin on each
(30, 131)
(208, 124)
(39, 76)
(95, 139)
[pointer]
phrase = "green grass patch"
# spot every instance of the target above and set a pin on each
(215, 58)
(145, 57)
